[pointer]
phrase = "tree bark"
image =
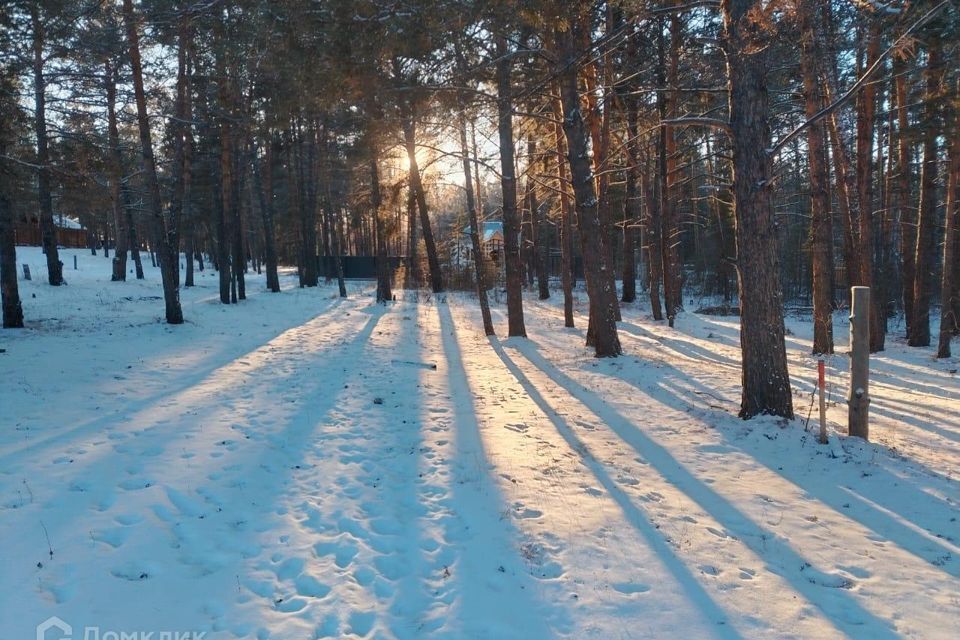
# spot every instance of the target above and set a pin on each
(48, 229)
(308, 206)
(632, 205)
(598, 124)
(264, 187)
(164, 235)
(949, 322)
(765, 380)
(603, 301)
(479, 266)
(566, 217)
(384, 291)
(115, 166)
(9, 290)
(821, 227)
(538, 226)
(508, 184)
(668, 173)
(866, 110)
(416, 185)
(181, 132)
(653, 240)
(925, 261)
(906, 213)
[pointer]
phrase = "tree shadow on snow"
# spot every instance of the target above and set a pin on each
(838, 605)
(482, 493)
(884, 501)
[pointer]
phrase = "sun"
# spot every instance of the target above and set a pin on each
(423, 157)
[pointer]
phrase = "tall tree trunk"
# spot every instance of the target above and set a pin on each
(412, 240)
(238, 244)
(821, 227)
(598, 124)
(538, 226)
(654, 237)
(133, 240)
(632, 211)
(866, 110)
(264, 187)
(949, 321)
(667, 100)
(48, 229)
(907, 214)
(479, 261)
(181, 129)
(566, 217)
(115, 166)
(384, 291)
(165, 235)
(926, 249)
(223, 195)
(308, 208)
(9, 291)
(508, 183)
(333, 216)
(188, 216)
(603, 300)
(416, 184)
(765, 380)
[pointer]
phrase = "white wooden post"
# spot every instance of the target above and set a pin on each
(858, 399)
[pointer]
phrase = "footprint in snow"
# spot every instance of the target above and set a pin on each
(717, 532)
(112, 537)
(629, 588)
(522, 513)
(361, 622)
(135, 483)
(290, 568)
(134, 571)
(127, 519)
(308, 586)
(856, 572)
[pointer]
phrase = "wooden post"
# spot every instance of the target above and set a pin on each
(26, 272)
(858, 399)
(821, 386)
(74, 262)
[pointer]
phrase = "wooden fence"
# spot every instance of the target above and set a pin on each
(29, 235)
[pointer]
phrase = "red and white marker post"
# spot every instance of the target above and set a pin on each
(821, 386)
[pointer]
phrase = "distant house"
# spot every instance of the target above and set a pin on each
(491, 240)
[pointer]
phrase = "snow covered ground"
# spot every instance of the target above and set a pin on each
(293, 468)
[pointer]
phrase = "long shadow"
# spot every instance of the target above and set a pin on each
(490, 502)
(683, 347)
(837, 608)
(688, 582)
(887, 493)
(895, 368)
(912, 385)
(180, 383)
(299, 427)
(897, 410)
(321, 401)
(413, 602)
(883, 407)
